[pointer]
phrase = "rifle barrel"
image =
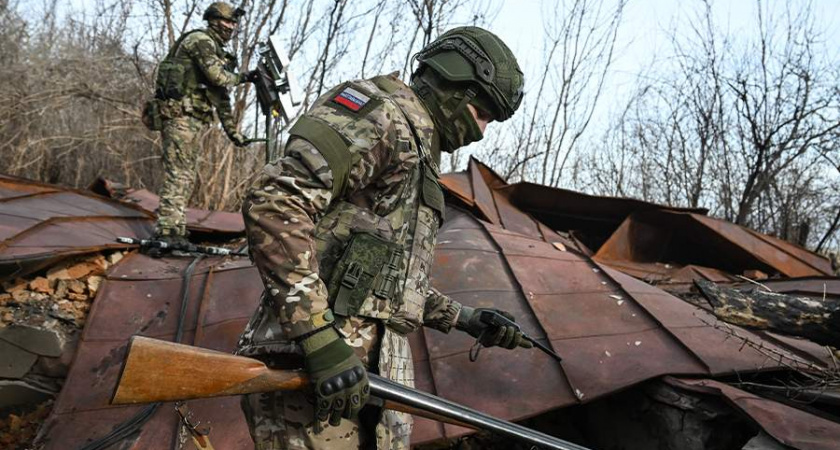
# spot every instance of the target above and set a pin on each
(391, 391)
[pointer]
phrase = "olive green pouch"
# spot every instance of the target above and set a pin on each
(432, 192)
(151, 115)
(363, 270)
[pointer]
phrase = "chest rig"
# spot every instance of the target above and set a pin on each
(180, 83)
(375, 250)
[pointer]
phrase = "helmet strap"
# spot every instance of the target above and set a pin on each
(468, 96)
(447, 125)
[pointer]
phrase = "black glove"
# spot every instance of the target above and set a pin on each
(507, 336)
(238, 139)
(337, 375)
(250, 76)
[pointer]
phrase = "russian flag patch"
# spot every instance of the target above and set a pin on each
(351, 99)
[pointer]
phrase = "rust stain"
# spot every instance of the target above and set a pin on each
(613, 330)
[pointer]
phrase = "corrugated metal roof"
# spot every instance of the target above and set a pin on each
(682, 239)
(612, 330)
(219, 223)
(41, 224)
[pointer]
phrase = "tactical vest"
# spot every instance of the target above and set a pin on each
(182, 85)
(376, 264)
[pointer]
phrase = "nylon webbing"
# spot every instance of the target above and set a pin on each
(333, 147)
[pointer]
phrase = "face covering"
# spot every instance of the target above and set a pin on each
(226, 34)
(444, 99)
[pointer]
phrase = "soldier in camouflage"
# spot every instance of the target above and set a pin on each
(342, 229)
(192, 81)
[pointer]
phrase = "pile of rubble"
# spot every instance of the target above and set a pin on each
(41, 318)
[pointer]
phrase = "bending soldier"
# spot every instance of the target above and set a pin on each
(192, 81)
(343, 230)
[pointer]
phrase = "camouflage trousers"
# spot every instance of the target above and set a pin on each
(286, 420)
(181, 144)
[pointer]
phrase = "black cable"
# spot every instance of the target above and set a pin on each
(135, 423)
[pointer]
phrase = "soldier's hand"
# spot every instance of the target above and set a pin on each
(488, 334)
(337, 375)
(238, 139)
(250, 76)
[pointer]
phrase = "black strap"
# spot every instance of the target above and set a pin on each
(136, 422)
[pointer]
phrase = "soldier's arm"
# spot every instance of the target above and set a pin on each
(281, 211)
(440, 311)
(221, 101)
(202, 50)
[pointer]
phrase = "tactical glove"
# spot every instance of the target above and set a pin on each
(250, 76)
(337, 375)
(238, 139)
(507, 336)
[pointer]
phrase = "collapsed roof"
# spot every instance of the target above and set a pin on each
(560, 261)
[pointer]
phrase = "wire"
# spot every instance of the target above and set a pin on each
(135, 423)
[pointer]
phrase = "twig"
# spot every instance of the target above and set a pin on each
(753, 282)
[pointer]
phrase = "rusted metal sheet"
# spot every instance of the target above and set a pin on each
(142, 296)
(649, 239)
(41, 224)
(526, 207)
(11, 187)
(788, 425)
(198, 220)
(614, 331)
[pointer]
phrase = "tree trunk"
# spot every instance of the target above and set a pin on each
(812, 318)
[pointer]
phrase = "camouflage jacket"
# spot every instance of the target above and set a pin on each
(363, 166)
(195, 77)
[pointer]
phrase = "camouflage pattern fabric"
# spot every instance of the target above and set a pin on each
(294, 223)
(206, 75)
(393, 432)
(181, 138)
(285, 420)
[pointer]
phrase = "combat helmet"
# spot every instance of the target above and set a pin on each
(223, 10)
(467, 65)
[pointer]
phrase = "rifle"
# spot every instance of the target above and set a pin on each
(188, 248)
(277, 90)
(161, 371)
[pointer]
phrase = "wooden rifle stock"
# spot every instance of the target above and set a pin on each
(160, 371)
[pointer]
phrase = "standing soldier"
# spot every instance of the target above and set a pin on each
(343, 230)
(192, 81)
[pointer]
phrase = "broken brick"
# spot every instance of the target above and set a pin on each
(14, 286)
(60, 290)
(41, 284)
(93, 283)
(755, 275)
(76, 286)
(77, 297)
(115, 257)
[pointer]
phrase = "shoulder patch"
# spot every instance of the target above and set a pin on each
(351, 99)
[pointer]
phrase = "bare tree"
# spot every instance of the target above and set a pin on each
(742, 126)
(580, 40)
(77, 79)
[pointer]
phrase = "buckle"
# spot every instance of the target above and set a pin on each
(352, 275)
